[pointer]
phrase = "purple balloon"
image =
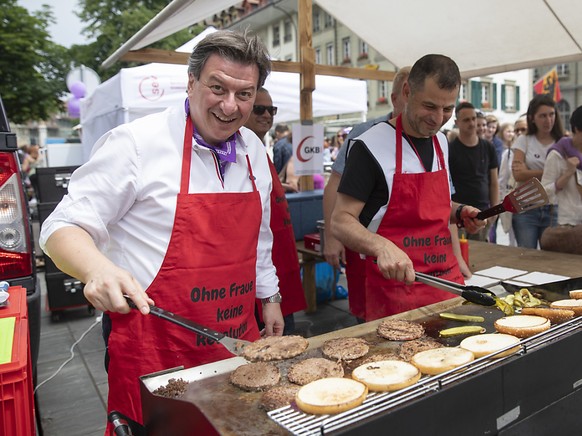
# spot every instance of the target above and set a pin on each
(74, 107)
(78, 89)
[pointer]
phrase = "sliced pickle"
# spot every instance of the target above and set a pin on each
(464, 330)
(459, 317)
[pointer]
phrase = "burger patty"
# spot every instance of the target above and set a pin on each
(275, 348)
(256, 376)
(279, 396)
(399, 330)
(410, 348)
(309, 370)
(345, 348)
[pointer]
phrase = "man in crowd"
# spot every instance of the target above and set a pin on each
(282, 149)
(284, 253)
(174, 208)
(473, 165)
(393, 203)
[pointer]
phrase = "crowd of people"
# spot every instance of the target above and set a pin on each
(198, 223)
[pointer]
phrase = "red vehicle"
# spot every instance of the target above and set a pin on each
(17, 257)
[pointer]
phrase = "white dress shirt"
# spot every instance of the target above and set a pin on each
(125, 195)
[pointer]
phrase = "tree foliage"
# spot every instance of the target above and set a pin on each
(112, 22)
(32, 67)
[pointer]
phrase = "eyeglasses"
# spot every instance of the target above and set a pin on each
(259, 109)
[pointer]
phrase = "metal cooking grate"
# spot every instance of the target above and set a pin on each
(299, 423)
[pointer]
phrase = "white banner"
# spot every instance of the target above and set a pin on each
(308, 149)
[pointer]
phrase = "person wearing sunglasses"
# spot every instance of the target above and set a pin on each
(261, 118)
(284, 253)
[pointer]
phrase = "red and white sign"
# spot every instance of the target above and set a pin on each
(308, 149)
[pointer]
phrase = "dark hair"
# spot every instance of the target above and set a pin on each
(537, 102)
(281, 128)
(444, 70)
(576, 120)
(463, 105)
(232, 45)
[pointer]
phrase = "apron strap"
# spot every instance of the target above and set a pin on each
(186, 160)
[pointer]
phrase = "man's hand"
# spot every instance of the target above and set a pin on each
(395, 264)
(334, 251)
(106, 287)
(469, 220)
(273, 319)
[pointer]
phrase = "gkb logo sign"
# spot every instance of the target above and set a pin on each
(306, 149)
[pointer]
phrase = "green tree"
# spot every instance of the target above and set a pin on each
(111, 23)
(32, 67)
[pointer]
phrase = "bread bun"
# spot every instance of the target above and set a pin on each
(522, 326)
(386, 375)
(483, 345)
(439, 360)
(571, 304)
(331, 395)
(576, 294)
(555, 315)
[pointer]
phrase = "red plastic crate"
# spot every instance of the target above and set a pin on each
(16, 304)
(16, 395)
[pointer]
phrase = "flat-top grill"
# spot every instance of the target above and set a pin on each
(536, 391)
(299, 423)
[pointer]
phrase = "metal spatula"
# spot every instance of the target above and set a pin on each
(235, 346)
(528, 196)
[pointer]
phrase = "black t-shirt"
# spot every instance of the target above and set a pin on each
(470, 170)
(364, 179)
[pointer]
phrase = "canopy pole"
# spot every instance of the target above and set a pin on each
(307, 74)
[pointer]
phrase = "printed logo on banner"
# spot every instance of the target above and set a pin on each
(150, 88)
(308, 149)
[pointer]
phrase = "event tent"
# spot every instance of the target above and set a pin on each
(138, 91)
(483, 38)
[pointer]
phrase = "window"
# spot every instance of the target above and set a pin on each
(327, 20)
(346, 50)
(276, 36)
(484, 94)
(363, 50)
(463, 92)
(564, 112)
(563, 70)
(316, 18)
(318, 59)
(510, 97)
(382, 92)
(288, 36)
(330, 54)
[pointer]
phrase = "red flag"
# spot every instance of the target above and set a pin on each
(549, 85)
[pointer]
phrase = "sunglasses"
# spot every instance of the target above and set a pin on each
(260, 109)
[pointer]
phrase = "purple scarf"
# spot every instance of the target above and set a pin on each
(565, 147)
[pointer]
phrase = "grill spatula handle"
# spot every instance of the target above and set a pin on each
(492, 211)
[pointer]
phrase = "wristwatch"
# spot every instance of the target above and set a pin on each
(277, 298)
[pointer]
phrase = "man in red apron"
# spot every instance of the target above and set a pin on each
(285, 256)
(393, 201)
(174, 207)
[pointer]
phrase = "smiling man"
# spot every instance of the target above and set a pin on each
(174, 208)
(394, 202)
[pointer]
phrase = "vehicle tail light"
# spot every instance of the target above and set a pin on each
(15, 252)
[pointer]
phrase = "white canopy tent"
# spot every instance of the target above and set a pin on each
(135, 92)
(503, 36)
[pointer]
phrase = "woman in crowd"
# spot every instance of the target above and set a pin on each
(506, 180)
(562, 173)
(544, 128)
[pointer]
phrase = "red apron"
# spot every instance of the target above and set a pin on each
(208, 275)
(417, 221)
(284, 254)
(356, 278)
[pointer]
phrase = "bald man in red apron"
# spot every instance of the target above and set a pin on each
(394, 197)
